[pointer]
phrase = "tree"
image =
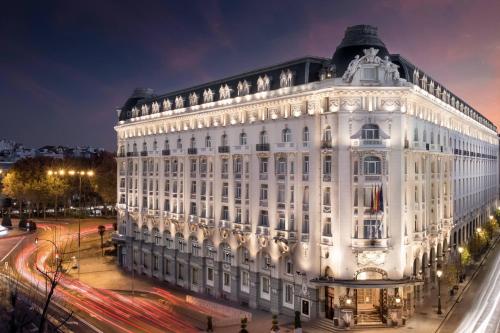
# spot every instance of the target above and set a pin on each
(297, 322)
(243, 326)
(6, 221)
(101, 229)
(209, 324)
(275, 327)
(105, 178)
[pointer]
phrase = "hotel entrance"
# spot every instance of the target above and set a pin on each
(370, 305)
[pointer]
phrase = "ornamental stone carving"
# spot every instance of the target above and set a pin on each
(155, 107)
(179, 102)
(144, 110)
(334, 105)
(390, 104)
(193, 99)
(208, 96)
(296, 110)
(366, 258)
(372, 63)
(350, 104)
(263, 83)
(167, 105)
(243, 88)
(135, 112)
(286, 78)
(224, 92)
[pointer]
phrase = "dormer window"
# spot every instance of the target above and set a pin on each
(370, 132)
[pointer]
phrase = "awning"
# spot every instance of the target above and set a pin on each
(367, 284)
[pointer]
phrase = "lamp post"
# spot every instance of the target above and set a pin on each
(80, 174)
(459, 271)
(439, 273)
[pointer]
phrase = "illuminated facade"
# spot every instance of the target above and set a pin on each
(329, 186)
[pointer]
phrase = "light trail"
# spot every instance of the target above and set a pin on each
(484, 316)
(124, 313)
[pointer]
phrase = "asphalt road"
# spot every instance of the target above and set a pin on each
(479, 309)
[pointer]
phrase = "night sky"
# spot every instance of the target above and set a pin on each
(65, 66)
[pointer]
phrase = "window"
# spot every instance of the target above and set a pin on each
(223, 140)
(372, 229)
(305, 308)
(265, 291)
(193, 143)
(195, 248)
(327, 135)
(226, 280)
(327, 227)
(305, 135)
(305, 224)
(226, 254)
(179, 143)
(288, 295)
(243, 139)
(225, 190)
(193, 187)
(281, 193)
(263, 219)
(194, 276)
(263, 192)
(263, 137)
(305, 165)
(245, 281)
(225, 213)
(237, 190)
(370, 132)
(289, 267)
(286, 135)
(208, 142)
(263, 165)
(245, 256)
(180, 275)
(372, 165)
(210, 275)
(156, 262)
(281, 166)
(157, 236)
(327, 165)
(167, 145)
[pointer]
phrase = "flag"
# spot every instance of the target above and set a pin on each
(381, 200)
(375, 194)
(372, 208)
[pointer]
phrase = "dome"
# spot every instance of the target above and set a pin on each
(356, 39)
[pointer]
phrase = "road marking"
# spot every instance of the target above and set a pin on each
(17, 244)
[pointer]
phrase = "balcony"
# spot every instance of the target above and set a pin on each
(225, 224)
(132, 154)
(224, 149)
(326, 144)
(372, 178)
(263, 176)
(121, 154)
(370, 143)
(362, 243)
(144, 153)
(289, 235)
(242, 149)
(284, 147)
(262, 147)
(263, 230)
(327, 240)
(192, 151)
(263, 203)
(206, 150)
(327, 177)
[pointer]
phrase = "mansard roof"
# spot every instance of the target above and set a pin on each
(304, 70)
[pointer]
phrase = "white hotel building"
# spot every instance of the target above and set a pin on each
(260, 188)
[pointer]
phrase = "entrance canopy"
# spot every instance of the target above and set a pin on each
(367, 284)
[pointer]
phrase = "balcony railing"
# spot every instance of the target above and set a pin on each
(362, 243)
(165, 152)
(144, 153)
(326, 144)
(262, 147)
(224, 149)
(192, 151)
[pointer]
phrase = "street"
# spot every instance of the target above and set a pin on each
(479, 309)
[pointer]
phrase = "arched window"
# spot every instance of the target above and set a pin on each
(179, 143)
(157, 236)
(305, 135)
(372, 165)
(223, 140)
(167, 144)
(193, 142)
(263, 137)
(155, 145)
(370, 132)
(208, 142)
(243, 138)
(227, 255)
(195, 247)
(327, 134)
(145, 234)
(286, 135)
(144, 146)
(415, 134)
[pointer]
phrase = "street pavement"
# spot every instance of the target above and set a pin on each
(479, 309)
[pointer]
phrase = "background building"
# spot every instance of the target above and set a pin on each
(329, 186)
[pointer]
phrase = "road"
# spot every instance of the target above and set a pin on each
(98, 310)
(479, 310)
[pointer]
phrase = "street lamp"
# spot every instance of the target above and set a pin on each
(439, 273)
(479, 230)
(460, 251)
(80, 174)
